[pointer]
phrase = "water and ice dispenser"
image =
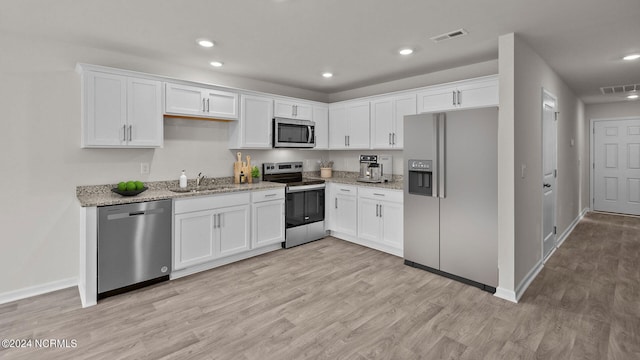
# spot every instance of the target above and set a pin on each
(420, 177)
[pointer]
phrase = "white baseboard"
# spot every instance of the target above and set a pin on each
(370, 244)
(572, 226)
(37, 290)
(505, 294)
(524, 284)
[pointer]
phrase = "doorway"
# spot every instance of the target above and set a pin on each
(616, 165)
(549, 171)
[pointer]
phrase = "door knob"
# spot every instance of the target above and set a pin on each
(547, 185)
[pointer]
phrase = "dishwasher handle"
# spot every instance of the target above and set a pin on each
(124, 215)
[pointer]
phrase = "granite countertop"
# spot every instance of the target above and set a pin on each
(101, 195)
(349, 178)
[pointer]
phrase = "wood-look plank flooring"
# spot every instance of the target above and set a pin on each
(331, 299)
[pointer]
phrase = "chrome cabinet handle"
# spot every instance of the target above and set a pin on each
(130, 132)
(459, 98)
(208, 105)
(454, 98)
(380, 210)
(270, 195)
(345, 140)
(336, 206)
(215, 221)
(378, 194)
(346, 190)
(377, 206)
(394, 138)
(124, 132)
(203, 108)
(390, 143)
(348, 140)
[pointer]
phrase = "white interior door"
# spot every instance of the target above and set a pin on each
(549, 173)
(616, 166)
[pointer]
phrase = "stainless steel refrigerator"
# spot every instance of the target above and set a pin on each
(451, 195)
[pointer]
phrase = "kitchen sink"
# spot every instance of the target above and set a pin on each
(193, 189)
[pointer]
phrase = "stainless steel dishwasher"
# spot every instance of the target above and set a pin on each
(134, 246)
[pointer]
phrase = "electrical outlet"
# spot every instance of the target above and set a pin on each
(144, 168)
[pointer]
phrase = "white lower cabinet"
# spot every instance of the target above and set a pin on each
(366, 215)
(342, 209)
(267, 217)
(380, 217)
(210, 227)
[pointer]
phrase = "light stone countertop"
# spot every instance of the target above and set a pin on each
(101, 195)
(349, 178)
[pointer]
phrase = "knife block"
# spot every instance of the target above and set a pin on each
(244, 167)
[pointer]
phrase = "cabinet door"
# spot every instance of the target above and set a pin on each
(193, 239)
(233, 226)
(438, 99)
(392, 224)
(144, 113)
(257, 119)
(338, 127)
(106, 110)
(368, 219)
(404, 105)
(184, 100)
(303, 111)
(345, 211)
(382, 124)
(267, 223)
(221, 104)
(358, 117)
(478, 94)
(293, 110)
(321, 118)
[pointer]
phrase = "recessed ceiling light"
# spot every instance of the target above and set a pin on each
(406, 51)
(216, 63)
(327, 75)
(632, 96)
(205, 43)
(631, 57)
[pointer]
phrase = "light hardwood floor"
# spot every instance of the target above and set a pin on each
(335, 300)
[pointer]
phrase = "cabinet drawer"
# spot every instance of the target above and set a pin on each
(266, 195)
(201, 203)
(345, 189)
(380, 194)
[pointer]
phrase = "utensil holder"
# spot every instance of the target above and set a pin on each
(325, 172)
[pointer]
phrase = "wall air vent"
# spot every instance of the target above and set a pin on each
(450, 35)
(619, 89)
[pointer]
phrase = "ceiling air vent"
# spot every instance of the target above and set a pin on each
(619, 89)
(450, 35)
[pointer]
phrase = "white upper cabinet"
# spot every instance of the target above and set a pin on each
(387, 119)
(321, 118)
(349, 125)
(293, 110)
(474, 93)
(121, 111)
(254, 130)
(184, 100)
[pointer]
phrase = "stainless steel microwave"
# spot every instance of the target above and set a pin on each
(291, 133)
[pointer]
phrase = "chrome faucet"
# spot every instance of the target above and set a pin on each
(200, 179)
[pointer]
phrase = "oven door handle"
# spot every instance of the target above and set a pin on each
(295, 189)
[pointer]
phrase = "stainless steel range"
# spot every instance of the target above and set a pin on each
(304, 205)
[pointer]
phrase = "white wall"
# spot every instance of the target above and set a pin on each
(43, 163)
(531, 75)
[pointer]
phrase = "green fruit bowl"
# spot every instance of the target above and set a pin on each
(129, 192)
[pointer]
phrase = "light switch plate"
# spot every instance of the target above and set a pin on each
(144, 168)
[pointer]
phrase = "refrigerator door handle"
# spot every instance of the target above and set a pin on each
(436, 151)
(442, 131)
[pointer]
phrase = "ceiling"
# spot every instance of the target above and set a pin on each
(292, 42)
